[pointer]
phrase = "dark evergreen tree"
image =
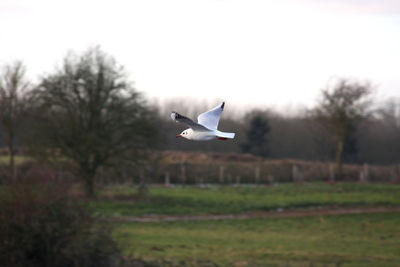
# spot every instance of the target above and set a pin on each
(257, 137)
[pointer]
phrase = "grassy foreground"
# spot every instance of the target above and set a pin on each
(347, 240)
(121, 200)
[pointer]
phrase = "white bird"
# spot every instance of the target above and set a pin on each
(206, 128)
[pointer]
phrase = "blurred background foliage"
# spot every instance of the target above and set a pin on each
(88, 113)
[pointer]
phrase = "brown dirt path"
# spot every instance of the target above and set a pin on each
(252, 215)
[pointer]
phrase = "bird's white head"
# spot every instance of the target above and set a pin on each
(186, 133)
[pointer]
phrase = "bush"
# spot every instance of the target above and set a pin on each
(41, 225)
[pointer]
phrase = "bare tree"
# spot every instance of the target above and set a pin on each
(13, 85)
(340, 109)
(93, 115)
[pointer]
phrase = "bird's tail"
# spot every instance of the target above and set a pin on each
(223, 135)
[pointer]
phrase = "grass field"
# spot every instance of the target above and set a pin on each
(344, 240)
(121, 200)
(347, 240)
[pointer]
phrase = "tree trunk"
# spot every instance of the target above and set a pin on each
(339, 157)
(12, 152)
(143, 188)
(88, 177)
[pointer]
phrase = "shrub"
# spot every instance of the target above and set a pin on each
(41, 225)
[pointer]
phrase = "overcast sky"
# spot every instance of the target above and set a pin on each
(258, 53)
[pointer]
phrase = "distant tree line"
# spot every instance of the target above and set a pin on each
(346, 119)
(88, 112)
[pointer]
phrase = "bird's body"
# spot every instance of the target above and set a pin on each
(206, 128)
(205, 135)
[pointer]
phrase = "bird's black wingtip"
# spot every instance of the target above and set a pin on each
(222, 105)
(175, 115)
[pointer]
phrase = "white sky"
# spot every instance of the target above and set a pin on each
(246, 52)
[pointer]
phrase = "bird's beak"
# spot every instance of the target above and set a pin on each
(178, 136)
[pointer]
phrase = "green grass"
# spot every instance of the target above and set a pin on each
(220, 200)
(347, 240)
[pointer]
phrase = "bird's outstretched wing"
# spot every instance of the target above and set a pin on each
(210, 118)
(180, 118)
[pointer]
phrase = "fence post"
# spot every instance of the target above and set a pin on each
(295, 173)
(183, 174)
(257, 175)
(270, 179)
(167, 183)
(331, 173)
(221, 174)
(396, 174)
(237, 179)
(364, 174)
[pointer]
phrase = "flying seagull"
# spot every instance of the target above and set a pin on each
(206, 127)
